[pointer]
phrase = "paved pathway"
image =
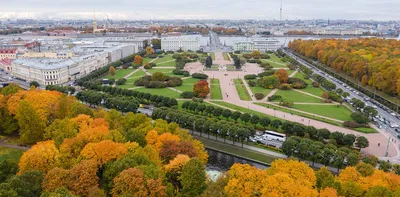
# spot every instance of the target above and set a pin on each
(249, 90)
(162, 67)
(171, 88)
(130, 74)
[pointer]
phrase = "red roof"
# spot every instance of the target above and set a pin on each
(5, 61)
(8, 50)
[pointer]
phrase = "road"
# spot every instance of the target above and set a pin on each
(215, 44)
(355, 94)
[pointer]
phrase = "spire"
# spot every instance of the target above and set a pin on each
(94, 22)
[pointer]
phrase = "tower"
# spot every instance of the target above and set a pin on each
(94, 23)
(280, 16)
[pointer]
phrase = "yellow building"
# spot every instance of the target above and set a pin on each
(59, 55)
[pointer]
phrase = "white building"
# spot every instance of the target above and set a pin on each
(337, 31)
(180, 43)
(243, 46)
(138, 41)
(50, 71)
(259, 44)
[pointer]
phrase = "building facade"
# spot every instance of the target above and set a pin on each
(257, 44)
(8, 53)
(53, 71)
(180, 43)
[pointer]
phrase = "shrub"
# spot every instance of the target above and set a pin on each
(170, 52)
(237, 52)
(147, 66)
(247, 56)
(266, 65)
(297, 83)
(252, 83)
(327, 101)
(186, 73)
(315, 84)
(359, 118)
(135, 66)
(352, 124)
(274, 97)
(251, 76)
(199, 76)
(259, 96)
(285, 86)
(125, 66)
(266, 73)
(291, 66)
(121, 81)
(286, 103)
(153, 65)
(177, 72)
(187, 95)
(269, 82)
(265, 56)
(177, 56)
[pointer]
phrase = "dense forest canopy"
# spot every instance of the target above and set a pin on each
(371, 61)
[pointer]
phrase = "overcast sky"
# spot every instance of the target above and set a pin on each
(202, 9)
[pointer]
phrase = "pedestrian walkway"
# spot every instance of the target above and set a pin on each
(249, 90)
(130, 74)
(174, 89)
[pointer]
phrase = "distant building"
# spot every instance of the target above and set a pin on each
(337, 31)
(259, 44)
(138, 41)
(58, 55)
(180, 43)
(243, 46)
(8, 53)
(5, 64)
(53, 71)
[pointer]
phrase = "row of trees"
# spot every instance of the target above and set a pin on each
(144, 98)
(120, 103)
(290, 128)
(371, 61)
(202, 124)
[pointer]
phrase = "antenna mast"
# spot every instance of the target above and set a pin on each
(280, 16)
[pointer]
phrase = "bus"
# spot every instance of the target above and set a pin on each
(271, 135)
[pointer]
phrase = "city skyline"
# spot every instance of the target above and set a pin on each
(195, 9)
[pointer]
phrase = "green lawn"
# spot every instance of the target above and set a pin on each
(167, 64)
(291, 95)
(258, 89)
(242, 91)
(187, 85)
(162, 91)
(366, 130)
(163, 59)
(289, 72)
(145, 60)
(120, 73)
(300, 114)
(332, 111)
(215, 66)
(300, 75)
(162, 70)
(314, 91)
(212, 56)
(215, 89)
(10, 154)
(275, 58)
(226, 57)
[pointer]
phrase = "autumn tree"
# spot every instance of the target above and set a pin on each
(61, 129)
(138, 60)
(30, 124)
(83, 177)
(256, 54)
(43, 156)
(201, 89)
(133, 182)
(149, 51)
(103, 151)
(112, 71)
(158, 76)
(193, 178)
(282, 75)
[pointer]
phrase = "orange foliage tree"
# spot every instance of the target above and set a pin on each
(201, 89)
(138, 60)
(282, 75)
(43, 156)
(103, 151)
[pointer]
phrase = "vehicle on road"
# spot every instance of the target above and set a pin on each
(271, 135)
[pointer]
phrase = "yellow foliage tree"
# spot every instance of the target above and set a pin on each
(56, 178)
(328, 192)
(299, 171)
(177, 163)
(104, 151)
(112, 70)
(43, 156)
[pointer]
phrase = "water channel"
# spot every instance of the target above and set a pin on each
(220, 162)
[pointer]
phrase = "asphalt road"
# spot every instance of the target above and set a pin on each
(353, 94)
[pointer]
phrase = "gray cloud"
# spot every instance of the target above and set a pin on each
(203, 9)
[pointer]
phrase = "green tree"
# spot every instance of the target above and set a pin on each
(61, 129)
(254, 119)
(226, 113)
(236, 115)
(362, 142)
(34, 83)
(193, 178)
(245, 117)
(385, 166)
(30, 124)
(380, 191)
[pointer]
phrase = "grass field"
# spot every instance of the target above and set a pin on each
(289, 72)
(242, 91)
(10, 154)
(145, 60)
(291, 95)
(162, 91)
(215, 66)
(187, 85)
(120, 73)
(310, 89)
(339, 112)
(163, 59)
(162, 70)
(258, 89)
(299, 114)
(215, 89)
(170, 63)
(212, 56)
(300, 75)
(226, 57)
(366, 130)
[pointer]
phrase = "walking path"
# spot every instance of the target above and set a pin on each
(130, 74)
(161, 67)
(249, 90)
(174, 89)
(276, 62)
(165, 62)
